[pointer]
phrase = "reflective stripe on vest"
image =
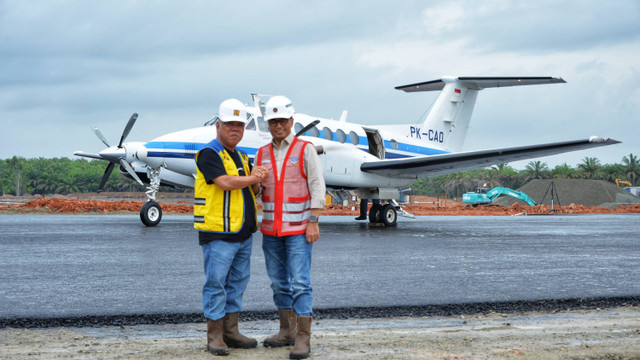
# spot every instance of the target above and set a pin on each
(286, 202)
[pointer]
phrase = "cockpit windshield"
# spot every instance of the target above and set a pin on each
(212, 121)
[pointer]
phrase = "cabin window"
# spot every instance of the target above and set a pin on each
(394, 144)
(262, 125)
(297, 127)
(327, 133)
(354, 138)
(314, 132)
(341, 136)
(251, 125)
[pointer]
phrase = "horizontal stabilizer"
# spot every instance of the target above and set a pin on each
(479, 83)
(436, 165)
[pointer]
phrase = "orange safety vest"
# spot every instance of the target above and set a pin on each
(283, 213)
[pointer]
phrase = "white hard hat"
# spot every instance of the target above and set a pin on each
(278, 107)
(232, 110)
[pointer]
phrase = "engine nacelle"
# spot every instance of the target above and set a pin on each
(152, 157)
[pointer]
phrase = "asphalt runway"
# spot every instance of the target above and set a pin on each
(59, 266)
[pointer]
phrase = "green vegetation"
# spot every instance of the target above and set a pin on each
(454, 185)
(20, 176)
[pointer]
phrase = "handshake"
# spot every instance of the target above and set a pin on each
(260, 172)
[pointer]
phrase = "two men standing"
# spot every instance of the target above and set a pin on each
(225, 215)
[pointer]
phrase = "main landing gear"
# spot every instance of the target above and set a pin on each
(387, 214)
(151, 212)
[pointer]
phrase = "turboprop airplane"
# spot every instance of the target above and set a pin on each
(375, 161)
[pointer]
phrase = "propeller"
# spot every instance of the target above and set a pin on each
(309, 126)
(100, 136)
(116, 154)
(127, 129)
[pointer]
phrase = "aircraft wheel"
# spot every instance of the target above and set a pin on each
(389, 215)
(374, 213)
(151, 213)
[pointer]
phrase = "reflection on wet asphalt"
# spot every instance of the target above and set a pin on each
(73, 265)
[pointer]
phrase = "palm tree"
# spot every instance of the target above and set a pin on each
(611, 172)
(501, 167)
(66, 186)
(632, 167)
(563, 171)
(537, 170)
(458, 184)
(590, 167)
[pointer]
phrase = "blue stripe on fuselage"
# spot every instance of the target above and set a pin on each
(189, 150)
(162, 149)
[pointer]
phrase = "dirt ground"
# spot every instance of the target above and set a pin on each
(586, 334)
(182, 203)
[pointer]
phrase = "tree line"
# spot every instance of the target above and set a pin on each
(20, 176)
(454, 185)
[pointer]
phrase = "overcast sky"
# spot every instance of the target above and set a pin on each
(69, 64)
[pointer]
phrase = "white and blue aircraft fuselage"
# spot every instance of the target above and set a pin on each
(375, 161)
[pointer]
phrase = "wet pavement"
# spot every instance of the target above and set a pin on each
(96, 265)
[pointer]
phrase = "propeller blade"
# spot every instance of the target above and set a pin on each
(309, 126)
(100, 136)
(130, 170)
(105, 177)
(127, 128)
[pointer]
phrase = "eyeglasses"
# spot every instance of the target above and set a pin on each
(275, 122)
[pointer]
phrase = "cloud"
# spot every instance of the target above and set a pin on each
(66, 65)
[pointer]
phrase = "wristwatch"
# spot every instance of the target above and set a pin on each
(313, 219)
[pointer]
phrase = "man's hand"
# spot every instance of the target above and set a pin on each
(261, 172)
(313, 232)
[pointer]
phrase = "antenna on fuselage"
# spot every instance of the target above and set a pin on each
(343, 117)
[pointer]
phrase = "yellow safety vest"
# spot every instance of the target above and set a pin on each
(217, 210)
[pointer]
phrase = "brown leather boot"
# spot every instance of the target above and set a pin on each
(288, 329)
(302, 347)
(215, 344)
(232, 336)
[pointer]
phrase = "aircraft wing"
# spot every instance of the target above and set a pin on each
(435, 165)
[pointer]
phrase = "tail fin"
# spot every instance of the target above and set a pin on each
(448, 121)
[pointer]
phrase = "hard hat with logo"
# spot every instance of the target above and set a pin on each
(278, 107)
(232, 110)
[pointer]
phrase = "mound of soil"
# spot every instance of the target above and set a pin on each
(574, 191)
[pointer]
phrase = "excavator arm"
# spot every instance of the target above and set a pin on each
(488, 197)
(498, 191)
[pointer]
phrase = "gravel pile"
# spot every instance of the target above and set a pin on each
(574, 191)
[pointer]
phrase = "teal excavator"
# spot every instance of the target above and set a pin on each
(484, 196)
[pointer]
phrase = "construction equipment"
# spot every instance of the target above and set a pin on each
(554, 196)
(623, 182)
(484, 196)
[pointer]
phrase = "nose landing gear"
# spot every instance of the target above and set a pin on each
(151, 212)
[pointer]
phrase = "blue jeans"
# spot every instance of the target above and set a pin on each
(227, 268)
(288, 260)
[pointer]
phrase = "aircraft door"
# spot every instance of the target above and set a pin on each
(376, 145)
